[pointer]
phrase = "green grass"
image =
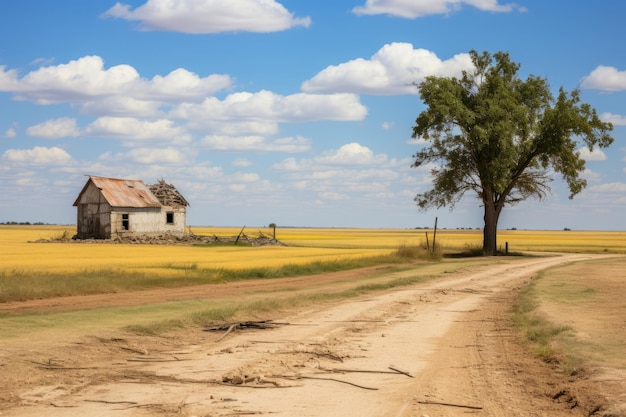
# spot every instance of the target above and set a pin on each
(22, 285)
(279, 302)
(161, 318)
(543, 336)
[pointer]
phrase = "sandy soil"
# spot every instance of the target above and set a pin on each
(446, 348)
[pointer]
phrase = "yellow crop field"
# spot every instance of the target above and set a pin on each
(33, 264)
(19, 252)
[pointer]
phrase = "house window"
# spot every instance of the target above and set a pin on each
(125, 222)
(169, 217)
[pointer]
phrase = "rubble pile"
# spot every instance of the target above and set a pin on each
(260, 239)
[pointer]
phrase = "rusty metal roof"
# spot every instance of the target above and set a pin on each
(123, 193)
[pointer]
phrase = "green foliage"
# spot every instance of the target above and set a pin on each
(499, 136)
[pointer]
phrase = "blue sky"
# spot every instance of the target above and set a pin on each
(291, 112)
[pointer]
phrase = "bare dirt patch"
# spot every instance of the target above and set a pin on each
(445, 348)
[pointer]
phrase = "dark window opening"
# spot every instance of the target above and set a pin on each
(125, 222)
(169, 218)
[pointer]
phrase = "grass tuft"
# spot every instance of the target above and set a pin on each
(420, 251)
(155, 328)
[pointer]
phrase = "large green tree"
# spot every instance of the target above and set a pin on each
(499, 136)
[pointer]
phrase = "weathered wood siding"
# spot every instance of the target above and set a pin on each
(93, 215)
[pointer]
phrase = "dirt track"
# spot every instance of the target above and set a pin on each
(445, 348)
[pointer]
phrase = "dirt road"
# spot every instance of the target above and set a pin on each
(445, 348)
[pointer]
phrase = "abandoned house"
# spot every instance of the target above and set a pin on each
(112, 207)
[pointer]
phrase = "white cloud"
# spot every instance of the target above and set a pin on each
(606, 79)
(121, 106)
(54, 129)
(146, 156)
(388, 125)
(237, 187)
(417, 141)
(183, 84)
(411, 9)
(267, 106)
(393, 69)
(246, 177)
(210, 16)
(592, 175)
(351, 154)
(28, 182)
(167, 155)
(596, 155)
(39, 155)
(128, 128)
(616, 119)
(242, 163)
(613, 187)
(330, 195)
(86, 82)
(42, 61)
(10, 133)
(255, 143)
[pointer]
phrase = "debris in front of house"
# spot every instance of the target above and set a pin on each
(261, 239)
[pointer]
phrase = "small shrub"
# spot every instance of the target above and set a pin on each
(407, 251)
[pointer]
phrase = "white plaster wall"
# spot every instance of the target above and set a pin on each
(148, 221)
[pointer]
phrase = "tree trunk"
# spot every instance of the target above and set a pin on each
(491, 226)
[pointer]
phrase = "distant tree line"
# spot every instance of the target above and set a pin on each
(24, 223)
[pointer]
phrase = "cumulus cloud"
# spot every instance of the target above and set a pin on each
(351, 154)
(86, 80)
(267, 106)
(148, 156)
(411, 9)
(10, 133)
(606, 79)
(54, 129)
(131, 129)
(242, 162)
(616, 119)
(120, 96)
(613, 187)
(255, 143)
(587, 155)
(210, 16)
(393, 69)
(39, 155)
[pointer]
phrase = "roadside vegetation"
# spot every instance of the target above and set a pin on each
(570, 315)
(277, 303)
(541, 334)
(21, 285)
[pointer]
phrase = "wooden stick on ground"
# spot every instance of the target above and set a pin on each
(401, 371)
(337, 380)
(471, 407)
